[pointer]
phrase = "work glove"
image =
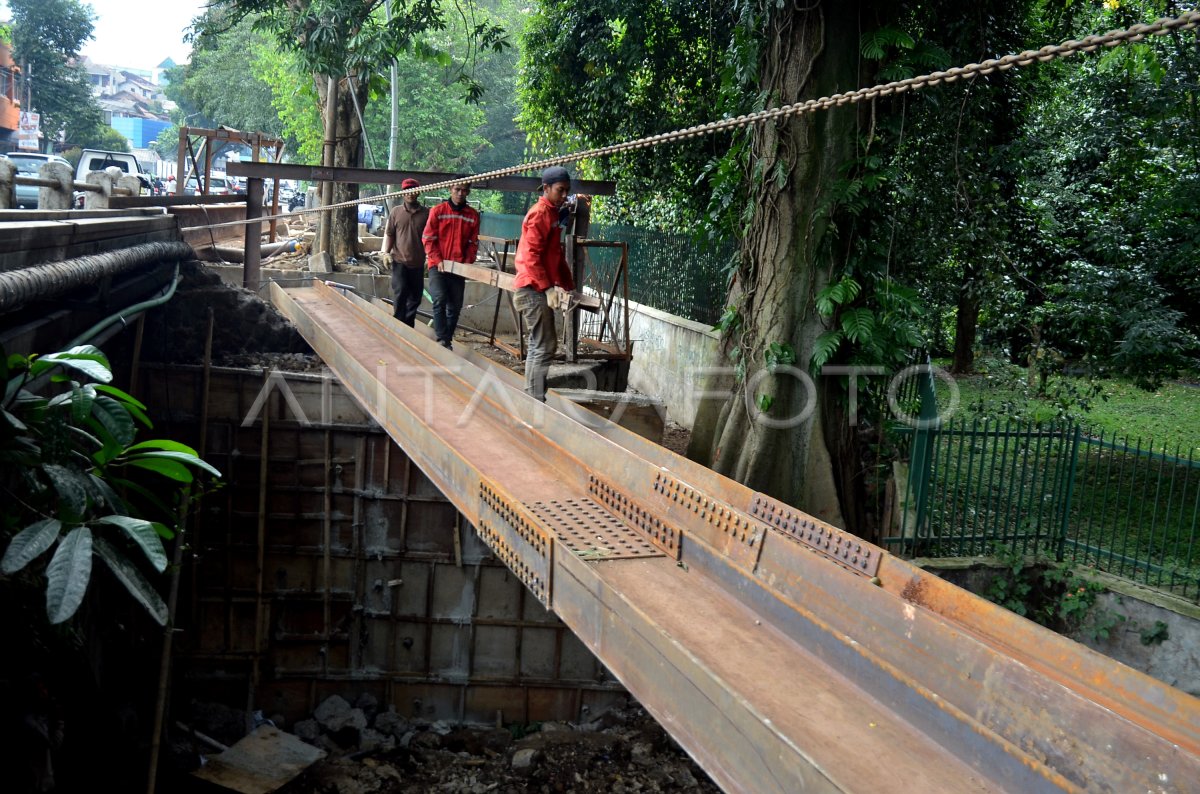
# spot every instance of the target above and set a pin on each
(386, 258)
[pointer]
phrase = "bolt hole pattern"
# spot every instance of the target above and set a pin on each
(710, 510)
(664, 536)
(510, 558)
(843, 548)
(591, 531)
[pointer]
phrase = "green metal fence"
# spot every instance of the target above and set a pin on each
(671, 272)
(1056, 490)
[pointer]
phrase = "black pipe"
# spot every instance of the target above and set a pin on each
(47, 280)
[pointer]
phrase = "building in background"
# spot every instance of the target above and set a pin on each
(10, 99)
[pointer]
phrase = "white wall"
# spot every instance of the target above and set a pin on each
(670, 355)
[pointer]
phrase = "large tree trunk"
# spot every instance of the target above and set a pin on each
(348, 153)
(787, 257)
(966, 323)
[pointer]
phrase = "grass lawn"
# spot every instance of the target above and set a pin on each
(995, 479)
(1167, 418)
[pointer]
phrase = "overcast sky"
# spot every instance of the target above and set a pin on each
(157, 27)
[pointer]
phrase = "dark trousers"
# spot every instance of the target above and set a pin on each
(446, 290)
(407, 285)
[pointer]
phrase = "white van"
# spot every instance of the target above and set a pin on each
(98, 159)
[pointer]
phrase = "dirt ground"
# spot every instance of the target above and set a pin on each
(621, 752)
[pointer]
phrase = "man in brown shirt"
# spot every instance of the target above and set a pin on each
(404, 251)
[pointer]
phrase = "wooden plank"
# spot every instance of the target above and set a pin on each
(498, 278)
(261, 763)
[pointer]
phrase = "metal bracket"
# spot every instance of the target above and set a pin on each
(849, 551)
(658, 532)
(518, 539)
(592, 532)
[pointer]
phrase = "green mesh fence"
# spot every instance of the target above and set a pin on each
(1125, 506)
(670, 272)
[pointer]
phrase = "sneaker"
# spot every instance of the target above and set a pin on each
(446, 345)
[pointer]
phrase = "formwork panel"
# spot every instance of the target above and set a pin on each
(375, 643)
(393, 551)
(487, 703)
(288, 699)
(547, 704)
(409, 648)
(380, 532)
(495, 652)
(299, 616)
(304, 656)
(538, 648)
(499, 594)
(578, 663)
(430, 527)
(450, 650)
(453, 593)
(412, 592)
(428, 701)
(218, 619)
(536, 613)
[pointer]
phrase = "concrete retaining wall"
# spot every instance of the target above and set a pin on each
(1170, 652)
(670, 355)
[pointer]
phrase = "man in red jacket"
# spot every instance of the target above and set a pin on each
(451, 233)
(541, 265)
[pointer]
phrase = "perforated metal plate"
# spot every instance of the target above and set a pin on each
(513, 533)
(843, 548)
(714, 512)
(592, 532)
(657, 531)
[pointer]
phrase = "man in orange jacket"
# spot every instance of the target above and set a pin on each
(541, 265)
(452, 232)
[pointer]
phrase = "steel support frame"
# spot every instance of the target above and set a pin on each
(768, 648)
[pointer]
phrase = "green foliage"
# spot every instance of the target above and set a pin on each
(1057, 597)
(1155, 635)
(594, 72)
(220, 84)
(1170, 415)
(99, 136)
(47, 36)
(730, 322)
(75, 480)
(344, 37)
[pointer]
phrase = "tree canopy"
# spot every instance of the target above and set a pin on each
(1046, 214)
(46, 38)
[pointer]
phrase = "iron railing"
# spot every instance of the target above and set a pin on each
(976, 486)
(669, 272)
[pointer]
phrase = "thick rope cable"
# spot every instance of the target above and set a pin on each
(1134, 33)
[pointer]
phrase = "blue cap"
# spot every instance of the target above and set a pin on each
(555, 173)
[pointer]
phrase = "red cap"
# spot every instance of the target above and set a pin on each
(408, 183)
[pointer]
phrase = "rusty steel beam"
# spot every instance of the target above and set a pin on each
(782, 654)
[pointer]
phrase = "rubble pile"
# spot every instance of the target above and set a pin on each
(618, 751)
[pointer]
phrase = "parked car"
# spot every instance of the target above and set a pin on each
(28, 164)
(99, 159)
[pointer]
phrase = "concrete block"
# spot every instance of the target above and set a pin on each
(61, 196)
(320, 262)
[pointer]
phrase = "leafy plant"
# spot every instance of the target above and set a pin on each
(1156, 634)
(78, 486)
(1057, 597)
